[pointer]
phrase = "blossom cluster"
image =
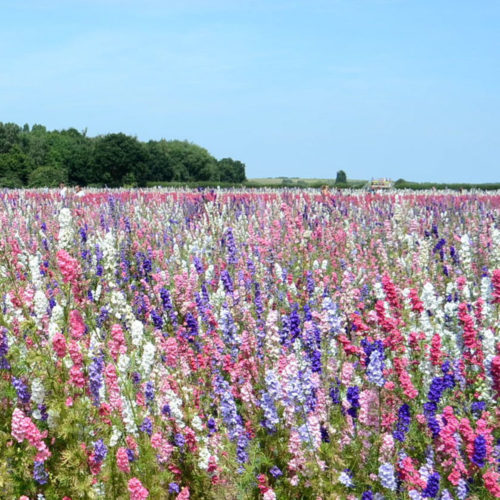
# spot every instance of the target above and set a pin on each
(249, 344)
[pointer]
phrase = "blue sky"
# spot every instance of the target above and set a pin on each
(378, 88)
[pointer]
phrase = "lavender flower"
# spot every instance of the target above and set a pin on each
(99, 257)
(173, 488)
(345, 478)
(225, 277)
(432, 488)
(192, 326)
(95, 378)
(147, 266)
(198, 265)
(307, 313)
(157, 319)
(229, 413)
(403, 425)
(201, 304)
(241, 446)
(436, 389)
(43, 412)
(386, 475)
(310, 283)
(439, 246)
(294, 324)
(83, 234)
(103, 316)
(100, 451)
(22, 391)
(4, 349)
(229, 332)
(147, 426)
(231, 247)
(316, 361)
(448, 381)
(39, 473)
(275, 471)
(285, 330)
(149, 391)
(353, 398)
(271, 419)
(438, 385)
(212, 427)
(430, 409)
(165, 299)
(375, 368)
(335, 393)
(179, 440)
(462, 489)
(477, 407)
(204, 293)
(168, 306)
(479, 454)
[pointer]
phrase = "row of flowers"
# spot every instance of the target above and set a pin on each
(233, 344)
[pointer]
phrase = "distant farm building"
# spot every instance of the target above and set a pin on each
(380, 184)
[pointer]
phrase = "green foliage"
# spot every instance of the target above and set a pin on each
(71, 150)
(418, 186)
(229, 170)
(160, 164)
(341, 177)
(11, 181)
(115, 158)
(9, 136)
(15, 165)
(47, 177)
(190, 162)
(112, 160)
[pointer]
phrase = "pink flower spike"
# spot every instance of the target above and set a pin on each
(137, 490)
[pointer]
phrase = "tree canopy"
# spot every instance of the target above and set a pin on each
(35, 157)
(341, 177)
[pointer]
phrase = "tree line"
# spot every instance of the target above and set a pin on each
(36, 157)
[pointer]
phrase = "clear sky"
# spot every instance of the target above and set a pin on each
(378, 88)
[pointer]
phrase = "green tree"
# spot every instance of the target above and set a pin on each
(190, 162)
(160, 163)
(229, 170)
(9, 136)
(71, 151)
(116, 157)
(28, 154)
(341, 177)
(15, 165)
(11, 181)
(47, 176)
(36, 145)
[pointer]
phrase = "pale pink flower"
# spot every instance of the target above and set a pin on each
(137, 490)
(122, 460)
(184, 494)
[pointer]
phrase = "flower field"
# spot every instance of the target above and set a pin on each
(249, 344)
